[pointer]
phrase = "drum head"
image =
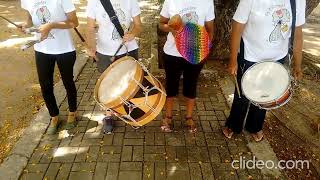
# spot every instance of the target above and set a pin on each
(116, 81)
(265, 82)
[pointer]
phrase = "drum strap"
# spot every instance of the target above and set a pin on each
(294, 17)
(112, 15)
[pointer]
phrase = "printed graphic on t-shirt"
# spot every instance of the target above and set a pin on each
(190, 17)
(281, 19)
(44, 16)
(122, 18)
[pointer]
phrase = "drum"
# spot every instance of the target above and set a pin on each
(267, 85)
(130, 92)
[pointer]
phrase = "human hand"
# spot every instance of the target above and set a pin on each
(233, 67)
(128, 37)
(297, 72)
(44, 30)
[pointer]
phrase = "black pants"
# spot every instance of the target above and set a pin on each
(174, 67)
(256, 116)
(45, 68)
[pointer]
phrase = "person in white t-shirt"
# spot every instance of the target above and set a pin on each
(265, 28)
(200, 12)
(53, 18)
(104, 45)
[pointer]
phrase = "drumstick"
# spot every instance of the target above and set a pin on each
(16, 25)
(237, 85)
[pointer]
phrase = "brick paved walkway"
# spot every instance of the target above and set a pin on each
(146, 153)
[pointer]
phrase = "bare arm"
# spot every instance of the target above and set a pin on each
(297, 52)
(163, 25)
(134, 30)
(91, 37)
(237, 30)
(210, 29)
(28, 22)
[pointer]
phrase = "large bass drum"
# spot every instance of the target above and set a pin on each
(130, 92)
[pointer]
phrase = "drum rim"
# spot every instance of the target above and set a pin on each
(113, 103)
(274, 100)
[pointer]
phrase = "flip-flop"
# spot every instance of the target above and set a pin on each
(255, 137)
(227, 134)
(166, 124)
(191, 125)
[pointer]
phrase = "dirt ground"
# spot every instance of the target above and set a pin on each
(19, 87)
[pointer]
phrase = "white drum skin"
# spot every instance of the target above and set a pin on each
(267, 84)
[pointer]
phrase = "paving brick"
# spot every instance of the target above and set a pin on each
(206, 126)
(37, 168)
(198, 154)
(137, 154)
(64, 171)
(118, 139)
(131, 166)
(159, 139)
(112, 172)
(133, 142)
(82, 154)
(52, 171)
(148, 171)
(32, 176)
(127, 152)
(175, 139)
(81, 176)
(206, 170)
(84, 167)
(100, 171)
(182, 154)
(154, 149)
(149, 139)
(195, 171)
(93, 153)
(160, 171)
(132, 175)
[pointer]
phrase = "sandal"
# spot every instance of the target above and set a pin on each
(191, 125)
(71, 122)
(258, 136)
(166, 124)
(227, 132)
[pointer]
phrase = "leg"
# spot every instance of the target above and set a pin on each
(239, 107)
(190, 80)
(45, 68)
(65, 64)
(255, 122)
(173, 73)
(103, 63)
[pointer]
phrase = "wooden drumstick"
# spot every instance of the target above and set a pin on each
(237, 85)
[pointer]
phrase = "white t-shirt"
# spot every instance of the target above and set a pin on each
(59, 41)
(194, 11)
(108, 38)
(268, 27)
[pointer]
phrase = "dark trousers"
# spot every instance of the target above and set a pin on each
(174, 67)
(256, 116)
(45, 68)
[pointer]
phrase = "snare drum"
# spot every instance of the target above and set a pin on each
(130, 92)
(267, 85)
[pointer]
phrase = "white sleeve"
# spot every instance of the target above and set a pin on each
(165, 9)
(91, 9)
(210, 14)
(68, 6)
(301, 12)
(24, 4)
(243, 11)
(135, 9)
